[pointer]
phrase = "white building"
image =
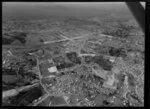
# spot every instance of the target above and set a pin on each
(52, 69)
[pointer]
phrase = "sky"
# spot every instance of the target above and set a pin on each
(39, 10)
(67, 3)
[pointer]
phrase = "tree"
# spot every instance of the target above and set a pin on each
(122, 31)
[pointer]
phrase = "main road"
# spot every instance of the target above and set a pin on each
(49, 42)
